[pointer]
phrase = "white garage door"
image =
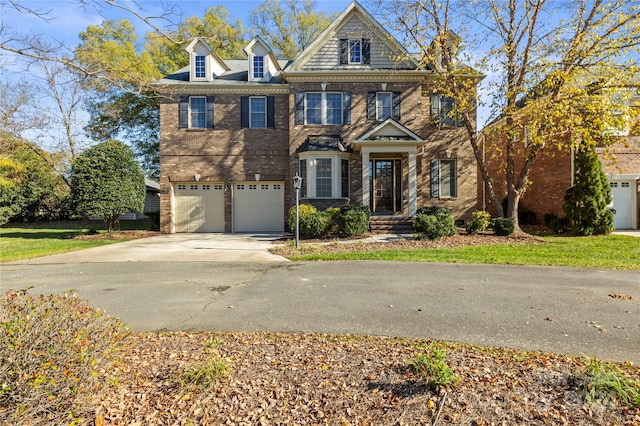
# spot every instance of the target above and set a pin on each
(622, 203)
(199, 207)
(258, 207)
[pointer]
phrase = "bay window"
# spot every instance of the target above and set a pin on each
(324, 175)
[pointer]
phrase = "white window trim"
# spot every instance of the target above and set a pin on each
(359, 41)
(336, 172)
(189, 115)
(253, 68)
(323, 108)
(455, 171)
(390, 94)
(266, 105)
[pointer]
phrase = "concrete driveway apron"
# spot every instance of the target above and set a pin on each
(174, 248)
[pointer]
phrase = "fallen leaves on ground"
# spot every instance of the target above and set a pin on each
(313, 379)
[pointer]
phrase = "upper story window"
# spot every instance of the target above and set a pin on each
(444, 111)
(195, 112)
(258, 112)
(383, 105)
(200, 66)
(323, 108)
(258, 66)
(327, 108)
(355, 51)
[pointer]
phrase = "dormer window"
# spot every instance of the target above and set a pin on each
(258, 67)
(200, 66)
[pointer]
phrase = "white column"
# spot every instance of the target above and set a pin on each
(365, 178)
(413, 193)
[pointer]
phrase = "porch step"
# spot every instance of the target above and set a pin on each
(391, 225)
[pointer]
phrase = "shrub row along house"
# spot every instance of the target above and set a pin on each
(352, 115)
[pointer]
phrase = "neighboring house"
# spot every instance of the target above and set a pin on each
(352, 114)
(151, 201)
(553, 173)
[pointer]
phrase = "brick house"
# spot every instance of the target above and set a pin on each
(352, 115)
(553, 173)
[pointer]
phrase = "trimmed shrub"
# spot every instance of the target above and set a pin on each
(502, 226)
(303, 210)
(433, 227)
(548, 217)
(480, 221)
(56, 353)
(433, 210)
(354, 219)
(315, 225)
(559, 225)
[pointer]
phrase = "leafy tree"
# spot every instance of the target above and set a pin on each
(288, 27)
(587, 201)
(106, 181)
(30, 188)
(123, 105)
(539, 62)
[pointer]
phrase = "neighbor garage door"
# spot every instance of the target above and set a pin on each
(621, 191)
(258, 207)
(199, 207)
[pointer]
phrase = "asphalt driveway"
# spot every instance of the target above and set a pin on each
(158, 285)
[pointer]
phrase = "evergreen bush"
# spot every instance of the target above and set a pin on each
(303, 210)
(433, 227)
(354, 219)
(502, 226)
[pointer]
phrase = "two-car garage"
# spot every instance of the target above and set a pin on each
(255, 206)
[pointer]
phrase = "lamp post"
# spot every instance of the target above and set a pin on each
(297, 184)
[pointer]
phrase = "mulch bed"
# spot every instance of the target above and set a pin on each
(311, 379)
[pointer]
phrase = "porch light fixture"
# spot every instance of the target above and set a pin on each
(257, 177)
(297, 184)
(196, 176)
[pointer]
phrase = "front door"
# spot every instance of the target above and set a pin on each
(385, 183)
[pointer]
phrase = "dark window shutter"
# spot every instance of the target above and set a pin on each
(303, 175)
(271, 111)
(244, 111)
(344, 175)
(344, 51)
(371, 106)
(210, 112)
(396, 98)
(346, 112)
(366, 51)
(435, 178)
(183, 114)
(435, 108)
(299, 97)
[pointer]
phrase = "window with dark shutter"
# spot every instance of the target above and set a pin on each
(299, 98)
(210, 115)
(397, 97)
(183, 112)
(346, 98)
(344, 51)
(371, 106)
(435, 178)
(271, 112)
(366, 51)
(244, 111)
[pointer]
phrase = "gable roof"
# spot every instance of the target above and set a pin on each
(372, 25)
(258, 40)
(389, 133)
(191, 47)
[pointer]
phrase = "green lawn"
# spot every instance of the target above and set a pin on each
(603, 252)
(35, 240)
